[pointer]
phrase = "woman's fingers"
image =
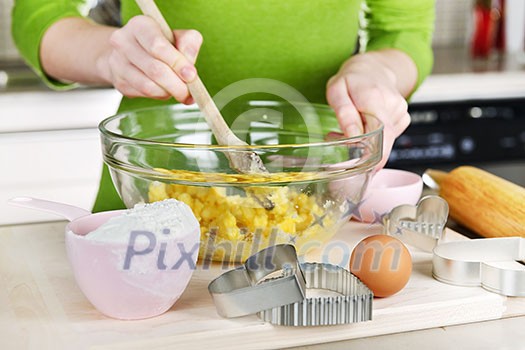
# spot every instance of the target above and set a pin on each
(394, 126)
(353, 95)
(150, 37)
(387, 149)
(348, 116)
(371, 84)
(189, 43)
(132, 82)
(141, 44)
(159, 72)
(402, 124)
(401, 117)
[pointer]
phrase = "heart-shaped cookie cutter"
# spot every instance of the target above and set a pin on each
(421, 226)
(489, 262)
(244, 290)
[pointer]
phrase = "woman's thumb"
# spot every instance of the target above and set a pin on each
(189, 43)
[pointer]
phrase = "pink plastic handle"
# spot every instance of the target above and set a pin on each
(67, 211)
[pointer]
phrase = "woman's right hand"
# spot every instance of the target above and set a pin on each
(141, 62)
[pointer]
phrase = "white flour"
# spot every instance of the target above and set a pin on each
(166, 219)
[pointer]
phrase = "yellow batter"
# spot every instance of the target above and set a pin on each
(232, 223)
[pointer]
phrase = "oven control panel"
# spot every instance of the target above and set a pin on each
(464, 131)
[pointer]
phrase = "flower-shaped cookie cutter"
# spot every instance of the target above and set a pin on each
(421, 226)
(249, 289)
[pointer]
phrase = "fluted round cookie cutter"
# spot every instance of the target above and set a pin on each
(353, 304)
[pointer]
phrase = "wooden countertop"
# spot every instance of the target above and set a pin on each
(41, 307)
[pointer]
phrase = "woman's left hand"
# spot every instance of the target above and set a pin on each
(367, 84)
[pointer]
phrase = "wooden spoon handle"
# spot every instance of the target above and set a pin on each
(149, 8)
(211, 113)
(221, 130)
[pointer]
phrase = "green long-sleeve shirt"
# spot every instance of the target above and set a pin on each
(301, 43)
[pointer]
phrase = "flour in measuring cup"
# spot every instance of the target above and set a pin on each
(167, 219)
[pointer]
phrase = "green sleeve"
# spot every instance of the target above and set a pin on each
(404, 25)
(31, 19)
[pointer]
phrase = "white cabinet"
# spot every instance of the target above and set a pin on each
(52, 110)
(50, 148)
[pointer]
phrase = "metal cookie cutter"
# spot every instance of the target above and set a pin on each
(421, 226)
(489, 262)
(353, 305)
(243, 291)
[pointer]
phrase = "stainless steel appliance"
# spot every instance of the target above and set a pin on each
(467, 118)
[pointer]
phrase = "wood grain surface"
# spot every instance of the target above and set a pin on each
(42, 308)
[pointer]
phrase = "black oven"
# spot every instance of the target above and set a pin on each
(488, 133)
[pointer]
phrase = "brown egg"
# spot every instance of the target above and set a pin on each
(383, 263)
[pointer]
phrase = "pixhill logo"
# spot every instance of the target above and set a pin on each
(137, 247)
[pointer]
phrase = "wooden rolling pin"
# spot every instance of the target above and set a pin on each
(482, 202)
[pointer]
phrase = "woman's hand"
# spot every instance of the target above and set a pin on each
(369, 84)
(136, 59)
(141, 62)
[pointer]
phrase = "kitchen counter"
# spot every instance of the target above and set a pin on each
(41, 307)
(501, 334)
(458, 60)
(471, 86)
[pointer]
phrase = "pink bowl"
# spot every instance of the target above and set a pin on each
(150, 283)
(387, 189)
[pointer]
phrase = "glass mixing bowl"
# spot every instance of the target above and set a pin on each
(315, 182)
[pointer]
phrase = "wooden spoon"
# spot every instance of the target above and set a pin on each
(245, 162)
